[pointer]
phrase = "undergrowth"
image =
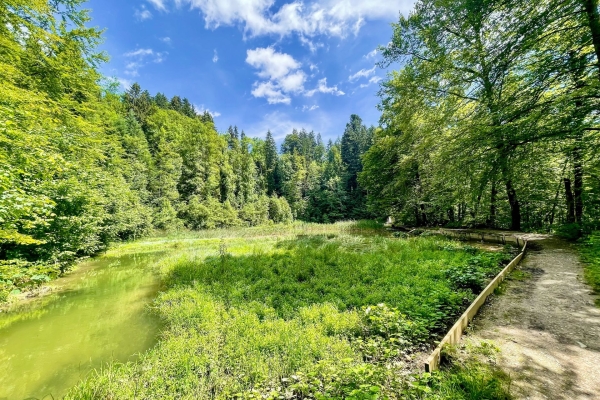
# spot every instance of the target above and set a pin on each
(590, 254)
(333, 316)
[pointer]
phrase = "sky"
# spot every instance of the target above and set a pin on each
(257, 64)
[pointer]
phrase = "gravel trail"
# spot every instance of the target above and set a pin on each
(546, 326)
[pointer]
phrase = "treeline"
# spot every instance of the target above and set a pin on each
(492, 119)
(194, 177)
(84, 165)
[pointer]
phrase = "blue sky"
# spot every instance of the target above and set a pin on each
(258, 64)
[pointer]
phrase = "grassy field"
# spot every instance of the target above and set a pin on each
(306, 311)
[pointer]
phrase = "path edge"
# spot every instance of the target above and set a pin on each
(455, 333)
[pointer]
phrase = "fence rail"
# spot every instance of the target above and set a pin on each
(455, 333)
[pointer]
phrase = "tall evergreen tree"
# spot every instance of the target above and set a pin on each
(271, 161)
(176, 104)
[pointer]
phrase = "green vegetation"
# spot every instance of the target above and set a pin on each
(84, 165)
(590, 254)
(490, 119)
(280, 315)
(489, 122)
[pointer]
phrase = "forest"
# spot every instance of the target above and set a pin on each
(492, 119)
(489, 119)
(84, 165)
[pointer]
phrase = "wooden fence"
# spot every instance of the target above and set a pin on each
(455, 333)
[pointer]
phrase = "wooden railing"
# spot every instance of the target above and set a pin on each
(453, 336)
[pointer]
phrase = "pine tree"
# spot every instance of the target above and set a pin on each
(176, 104)
(161, 101)
(271, 161)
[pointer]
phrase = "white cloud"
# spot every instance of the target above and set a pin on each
(272, 65)
(312, 46)
(139, 53)
(373, 80)
(271, 92)
(323, 88)
(201, 110)
(371, 54)
(215, 57)
(282, 76)
(293, 82)
(281, 73)
(159, 4)
(311, 18)
(143, 14)
(132, 68)
(363, 73)
(166, 40)
(125, 83)
(138, 59)
(281, 124)
(311, 108)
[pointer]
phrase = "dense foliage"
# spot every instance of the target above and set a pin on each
(492, 119)
(302, 317)
(84, 165)
(590, 251)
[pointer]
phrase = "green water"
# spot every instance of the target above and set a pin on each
(98, 315)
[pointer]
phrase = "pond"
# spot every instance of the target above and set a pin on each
(99, 313)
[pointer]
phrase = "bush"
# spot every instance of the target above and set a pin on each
(388, 334)
(590, 255)
(165, 215)
(475, 274)
(209, 214)
(17, 275)
(569, 231)
(280, 211)
(256, 213)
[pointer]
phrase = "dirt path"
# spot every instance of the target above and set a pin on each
(546, 326)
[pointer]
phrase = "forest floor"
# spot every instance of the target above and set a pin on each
(546, 326)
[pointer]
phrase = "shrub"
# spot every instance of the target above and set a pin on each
(280, 211)
(590, 255)
(256, 213)
(569, 231)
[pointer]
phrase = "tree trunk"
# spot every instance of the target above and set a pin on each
(552, 212)
(423, 215)
(570, 201)
(494, 195)
(515, 207)
(451, 214)
(591, 9)
(578, 67)
(418, 216)
(578, 182)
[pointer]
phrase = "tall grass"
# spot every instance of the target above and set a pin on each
(310, 312)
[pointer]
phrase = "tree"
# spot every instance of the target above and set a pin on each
(355, 142)
(138, 102)
(176, 104)
(271, 165)
(161, 101)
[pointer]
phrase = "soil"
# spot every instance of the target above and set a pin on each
(546, 325)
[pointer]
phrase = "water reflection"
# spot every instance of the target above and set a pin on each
(101, 314)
